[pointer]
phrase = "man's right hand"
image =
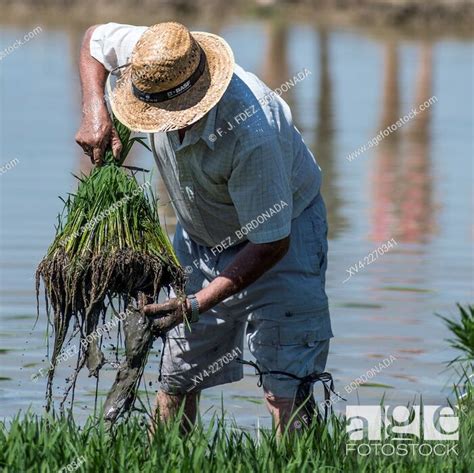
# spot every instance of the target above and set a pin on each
(97, 132)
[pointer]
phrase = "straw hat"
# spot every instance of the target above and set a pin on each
(174, 78)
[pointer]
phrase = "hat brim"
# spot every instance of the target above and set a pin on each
(185, 109)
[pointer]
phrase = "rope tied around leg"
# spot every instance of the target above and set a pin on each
(305, 387)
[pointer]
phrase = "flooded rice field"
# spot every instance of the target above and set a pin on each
(410, 185)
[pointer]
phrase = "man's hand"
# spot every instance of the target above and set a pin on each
(167, 315)
(96, 132)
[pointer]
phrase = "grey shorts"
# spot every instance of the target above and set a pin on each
(284, 315)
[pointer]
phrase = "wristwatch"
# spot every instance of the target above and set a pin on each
(193, 302)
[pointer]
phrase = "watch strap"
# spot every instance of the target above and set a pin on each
(194, 308)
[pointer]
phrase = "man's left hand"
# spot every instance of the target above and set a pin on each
(167, 315)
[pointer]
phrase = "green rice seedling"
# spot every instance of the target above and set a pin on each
(32, 444)
(109, 246)
(462, 340)
(463, 332)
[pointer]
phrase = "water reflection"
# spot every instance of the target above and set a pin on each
(401, 180)
(385, 179)
(417, 209)
(275, 68)
(324, 142)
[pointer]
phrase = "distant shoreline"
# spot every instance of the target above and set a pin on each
(420, 17)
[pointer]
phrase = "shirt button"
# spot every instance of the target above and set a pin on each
(190, 193)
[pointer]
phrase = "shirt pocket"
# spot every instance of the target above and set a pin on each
(212, 192)
(193, 222)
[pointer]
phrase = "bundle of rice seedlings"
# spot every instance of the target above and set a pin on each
(109, 250)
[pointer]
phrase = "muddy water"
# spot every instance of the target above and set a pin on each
(414, 187)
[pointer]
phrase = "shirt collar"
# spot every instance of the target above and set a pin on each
(208, 132)
(203, 129)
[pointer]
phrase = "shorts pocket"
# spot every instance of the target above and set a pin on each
(303, 344)
(289, 345)
(263, 332)
(304, 328)
(263, 342)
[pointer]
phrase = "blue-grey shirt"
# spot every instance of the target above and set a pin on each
(243, 171)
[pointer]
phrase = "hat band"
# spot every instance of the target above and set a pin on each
(155, 97)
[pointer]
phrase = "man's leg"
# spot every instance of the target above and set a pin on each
(167, 407)
(284, 410)
(290, 327)
(298, 345)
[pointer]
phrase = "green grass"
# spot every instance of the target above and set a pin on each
(376, 385)
(32, 444)
(46, 444)
(406, 289)
(360, 305)
(462, 340)
(462, 331)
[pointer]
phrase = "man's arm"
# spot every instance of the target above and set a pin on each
(254, 173)
(248, 265)
(96, 130)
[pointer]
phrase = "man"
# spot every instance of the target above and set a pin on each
(252, 231)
